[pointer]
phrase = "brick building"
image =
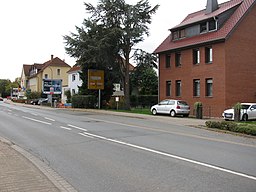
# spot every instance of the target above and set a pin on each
(211, 57)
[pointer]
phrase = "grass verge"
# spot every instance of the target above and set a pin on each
(145, 111)
(248, 128)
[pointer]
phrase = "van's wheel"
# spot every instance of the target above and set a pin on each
(154, 112)
(245, 117)
(173, 113)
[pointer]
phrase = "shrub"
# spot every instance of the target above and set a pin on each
(249, 129)
(84, 101)
(143, 100)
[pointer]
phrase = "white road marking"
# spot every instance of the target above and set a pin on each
(75, 127)
(172, 156)
(67, 128)
(83, 134)
(174, 132)
(37, 120)
(34, 114)
(49, 119)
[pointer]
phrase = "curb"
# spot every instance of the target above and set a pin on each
(59, 182)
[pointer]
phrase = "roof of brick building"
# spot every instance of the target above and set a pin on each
(243, 6)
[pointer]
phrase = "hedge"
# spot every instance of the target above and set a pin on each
(143, 100)
(249, 129)
(84, 101)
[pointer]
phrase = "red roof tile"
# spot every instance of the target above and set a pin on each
(221, 34)
(56, 62)
(74, 68)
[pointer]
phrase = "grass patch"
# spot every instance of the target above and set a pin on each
(145, 111)
(248, 128)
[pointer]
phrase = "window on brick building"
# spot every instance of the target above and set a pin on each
(212, 25)
(208, 55)
(58, 71)
(168, 61)
(168, 88)
(175, 35)
(178, 59)
(203, 27)
(196, 87)
(209, 86)
(46, 76)
(178, 88)
(196, 56)
(182, 33)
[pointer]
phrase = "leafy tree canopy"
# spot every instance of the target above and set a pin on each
(111, 31)
(144, 77)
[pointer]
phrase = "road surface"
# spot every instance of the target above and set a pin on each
(106, 152)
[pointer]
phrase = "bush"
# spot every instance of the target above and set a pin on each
(143, 100)
(84, 101)
(249, 129)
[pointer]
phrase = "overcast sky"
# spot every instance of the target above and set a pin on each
(33, 30)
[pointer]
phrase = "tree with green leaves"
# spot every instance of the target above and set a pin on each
(144, 77)
(6, 86)
(117, 25)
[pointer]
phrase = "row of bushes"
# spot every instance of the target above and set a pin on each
(140, 101)
(246, 128)
(84, 101)
(143, 100)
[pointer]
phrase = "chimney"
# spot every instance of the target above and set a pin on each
(51, 57)
(212, 5)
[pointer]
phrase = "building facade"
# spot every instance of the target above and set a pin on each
(210, 57)
(48, 78)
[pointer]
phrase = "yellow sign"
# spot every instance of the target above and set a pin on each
(95, 79)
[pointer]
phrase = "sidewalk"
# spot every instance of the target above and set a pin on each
(22, 172)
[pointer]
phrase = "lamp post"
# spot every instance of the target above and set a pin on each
(51, 88)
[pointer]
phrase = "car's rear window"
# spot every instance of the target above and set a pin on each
(245, 106)
(182, 103)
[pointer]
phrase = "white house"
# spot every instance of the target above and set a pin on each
(74, 80)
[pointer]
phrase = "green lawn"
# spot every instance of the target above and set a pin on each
(145, 111)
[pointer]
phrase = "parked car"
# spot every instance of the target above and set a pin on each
(39, 101)
(248, 112)
(1, 99)
(172, 107)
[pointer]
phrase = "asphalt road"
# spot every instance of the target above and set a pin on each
(105, 152)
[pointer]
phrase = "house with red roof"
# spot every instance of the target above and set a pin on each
(210, 57)
(48, 78)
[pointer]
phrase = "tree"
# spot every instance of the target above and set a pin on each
(95, 47)
(144, 77)
(127, 24)
(6, 85)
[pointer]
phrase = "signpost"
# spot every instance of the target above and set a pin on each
(96, 81)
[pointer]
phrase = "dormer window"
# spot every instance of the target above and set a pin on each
(203, 27)
(212, 25)
(175, 35)
(182, 33)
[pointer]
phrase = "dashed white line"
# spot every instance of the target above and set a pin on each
(83, 134)
(172, 156)
(49, 119)
(75, 127)
(36, 120)
(67, 128)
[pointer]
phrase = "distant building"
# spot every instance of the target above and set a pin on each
(48, 78)
(211, 57)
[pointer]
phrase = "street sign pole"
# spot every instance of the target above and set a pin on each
(99, 98)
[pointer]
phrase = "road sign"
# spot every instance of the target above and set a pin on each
(95, 79)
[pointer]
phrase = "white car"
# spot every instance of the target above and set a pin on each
(248, 112)
(172, 107)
